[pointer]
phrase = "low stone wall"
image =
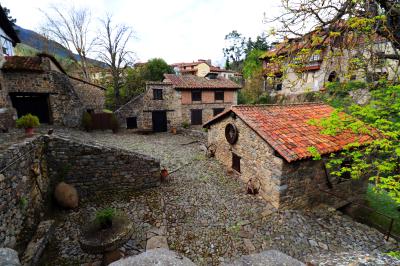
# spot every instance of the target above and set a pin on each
(23, 190)
(92, 168)
(29, 170)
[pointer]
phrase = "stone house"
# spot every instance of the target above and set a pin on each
(202, 68)
(178, 100)
(287, 71)
(39, 85)
(8, 36)
(267, 146)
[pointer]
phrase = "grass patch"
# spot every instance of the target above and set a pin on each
(383, 203)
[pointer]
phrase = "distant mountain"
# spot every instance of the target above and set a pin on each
(42, 44)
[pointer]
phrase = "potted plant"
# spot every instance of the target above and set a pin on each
(105, 217)
(28, 122)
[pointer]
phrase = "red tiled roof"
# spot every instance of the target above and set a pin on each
(18, 63)
(286, 128)
(195, 82)
(29, 63)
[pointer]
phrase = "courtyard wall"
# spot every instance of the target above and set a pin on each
(30, 170)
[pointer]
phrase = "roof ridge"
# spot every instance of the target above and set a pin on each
(277, 104)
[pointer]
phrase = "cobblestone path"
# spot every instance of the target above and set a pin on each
(209, 217)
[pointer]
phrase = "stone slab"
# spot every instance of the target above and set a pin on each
(157, 242)
(9, 257)
(159, 256)
(269, 257)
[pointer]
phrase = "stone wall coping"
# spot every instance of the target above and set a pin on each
(103, 147)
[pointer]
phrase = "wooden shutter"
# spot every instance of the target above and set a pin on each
(236, 162)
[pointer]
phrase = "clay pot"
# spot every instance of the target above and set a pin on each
(164, 174)
(66, 195)
(173, 130)
(29, 131)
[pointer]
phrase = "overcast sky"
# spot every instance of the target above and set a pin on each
(176, 30)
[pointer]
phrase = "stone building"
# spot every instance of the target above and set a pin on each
(39, 85)
(178, 100)
(299, 65)
(268, 146)
(202, 68)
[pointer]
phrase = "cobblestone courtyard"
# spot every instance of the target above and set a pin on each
(206, 214)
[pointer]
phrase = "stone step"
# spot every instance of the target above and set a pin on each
(38, 243)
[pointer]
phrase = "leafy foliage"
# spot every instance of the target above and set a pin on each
(380, 159)
(155, 69)
(28, 121)
(105, 216)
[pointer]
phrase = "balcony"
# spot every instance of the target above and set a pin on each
(313, 66)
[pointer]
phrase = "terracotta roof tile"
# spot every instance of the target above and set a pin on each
(286, 128)
(18, 63)
(195, 82)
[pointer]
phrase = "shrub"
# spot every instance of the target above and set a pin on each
(28, 121)
(105, 216)
(87, 121)
(114, 123)
(185, 124)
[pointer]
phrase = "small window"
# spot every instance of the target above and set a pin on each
(131, 122)
(279, 87)
(196, 116)
(219, 95)
(196, 96)
(217, 111)
(157, 94)
(236, 162)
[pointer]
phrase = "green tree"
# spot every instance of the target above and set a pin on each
(10, 18)
(235, 50)
(380, 159)
(252, 64)
(155, 69)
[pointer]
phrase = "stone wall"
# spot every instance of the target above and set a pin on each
(285, 185)
(142, 106)
(66, 107)
(177, 103)
(29, 171)
(92, 97)
(258, 161)
(24, 185)
(92, 168)
(303, 183)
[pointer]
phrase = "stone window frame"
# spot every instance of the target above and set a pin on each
(197, 98)
(219, 92)
(157, 94)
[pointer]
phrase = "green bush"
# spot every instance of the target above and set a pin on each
(87, 121)
(105, 216)
(28, 121)
(114, 124)
(185, 124)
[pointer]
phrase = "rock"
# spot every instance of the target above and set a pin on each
(38, 243)
(111, 256)
(152, 257)
(157, 242)
(9, 257)
(249, 246)
(270, 258)
(66, 195)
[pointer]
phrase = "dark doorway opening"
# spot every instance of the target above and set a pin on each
(131, 122)
(196, 116)
(32, 103)
(236, 162)
(160, 123)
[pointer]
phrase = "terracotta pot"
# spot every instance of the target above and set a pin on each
(29, 131)
(173, 130)
(164, 174)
